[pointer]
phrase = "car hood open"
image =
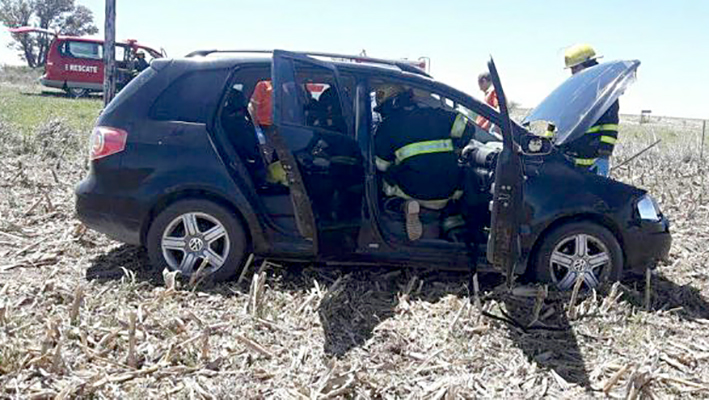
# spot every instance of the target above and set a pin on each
(583, 98)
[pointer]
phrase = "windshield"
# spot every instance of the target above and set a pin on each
(583, 98)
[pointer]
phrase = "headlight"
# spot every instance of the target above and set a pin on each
(648, 209)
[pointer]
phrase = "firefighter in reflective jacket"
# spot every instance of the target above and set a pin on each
(594, 149)
(416, 151)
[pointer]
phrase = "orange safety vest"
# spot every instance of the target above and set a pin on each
(491, 100)
(262, 103)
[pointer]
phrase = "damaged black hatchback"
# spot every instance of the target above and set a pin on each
(206, 160)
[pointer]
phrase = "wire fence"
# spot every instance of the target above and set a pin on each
(681, 138)
(675, 170)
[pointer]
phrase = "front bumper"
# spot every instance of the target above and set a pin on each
(647, 244)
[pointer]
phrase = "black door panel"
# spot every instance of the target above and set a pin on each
(315, 143)
(503, 250)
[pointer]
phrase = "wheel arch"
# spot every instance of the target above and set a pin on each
(186, 194)
(582, 217)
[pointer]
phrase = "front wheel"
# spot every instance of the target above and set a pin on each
(191, 233)
(578, 249)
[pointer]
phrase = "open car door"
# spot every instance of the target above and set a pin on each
(298, 142)
(503, 246)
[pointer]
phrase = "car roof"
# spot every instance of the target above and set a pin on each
(206, 63)
(369, 68)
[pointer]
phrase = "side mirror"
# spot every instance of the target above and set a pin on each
(533, 145)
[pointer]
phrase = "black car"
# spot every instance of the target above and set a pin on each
(183, 164)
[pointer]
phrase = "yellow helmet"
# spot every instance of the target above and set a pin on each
(387, 91)
(579, 54)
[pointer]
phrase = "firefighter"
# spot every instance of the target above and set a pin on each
(416, 151)
(140, 63)
(593, 150)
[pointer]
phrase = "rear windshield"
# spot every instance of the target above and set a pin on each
(130, 89)
(193, 97)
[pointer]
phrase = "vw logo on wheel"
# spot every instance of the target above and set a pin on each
(195, 244)
(580, 265)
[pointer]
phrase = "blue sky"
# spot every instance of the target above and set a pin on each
(526, 38)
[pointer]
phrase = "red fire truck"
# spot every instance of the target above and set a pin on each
(75, 64)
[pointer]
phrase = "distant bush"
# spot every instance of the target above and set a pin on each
(20, 74)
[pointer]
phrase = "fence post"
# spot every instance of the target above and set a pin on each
(704, 131)
(109, 53)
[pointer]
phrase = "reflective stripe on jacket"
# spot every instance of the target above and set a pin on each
(459, 125)
(419, 148)
(584, 162)
(598, 140)
(415, 149)
(457, 131)
(607, 137)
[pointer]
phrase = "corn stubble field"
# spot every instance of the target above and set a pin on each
(83, 316)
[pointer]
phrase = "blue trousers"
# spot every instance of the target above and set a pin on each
(602, 166)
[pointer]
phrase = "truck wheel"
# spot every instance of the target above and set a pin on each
(77, 92)
(191, 232)
(578, 249)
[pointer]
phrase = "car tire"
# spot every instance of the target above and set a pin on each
(578, 248)
(77, 93)
(188, 232)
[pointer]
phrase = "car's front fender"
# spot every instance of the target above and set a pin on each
(558, 192)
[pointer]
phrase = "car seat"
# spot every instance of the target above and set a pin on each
(237, 123)
(329, 112)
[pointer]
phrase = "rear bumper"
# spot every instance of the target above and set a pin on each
(101, 212)
(647, 244)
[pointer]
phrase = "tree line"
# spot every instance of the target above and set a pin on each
(61, 16)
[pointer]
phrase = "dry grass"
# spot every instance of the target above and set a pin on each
(82, 316)
(20, 74)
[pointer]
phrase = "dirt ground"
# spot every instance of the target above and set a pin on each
(84, 316)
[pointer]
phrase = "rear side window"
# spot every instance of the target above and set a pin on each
(193, 97)
(88, 50)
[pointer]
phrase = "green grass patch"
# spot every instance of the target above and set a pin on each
(24, 108)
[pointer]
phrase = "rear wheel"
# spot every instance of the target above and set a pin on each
(578, 249)
(77, 92)
(191, 233)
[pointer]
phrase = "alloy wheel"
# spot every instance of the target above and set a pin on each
(192, 239)
(579, 255)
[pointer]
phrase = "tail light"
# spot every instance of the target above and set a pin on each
(106, 141)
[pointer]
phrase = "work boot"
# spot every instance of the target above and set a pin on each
(414, 229)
